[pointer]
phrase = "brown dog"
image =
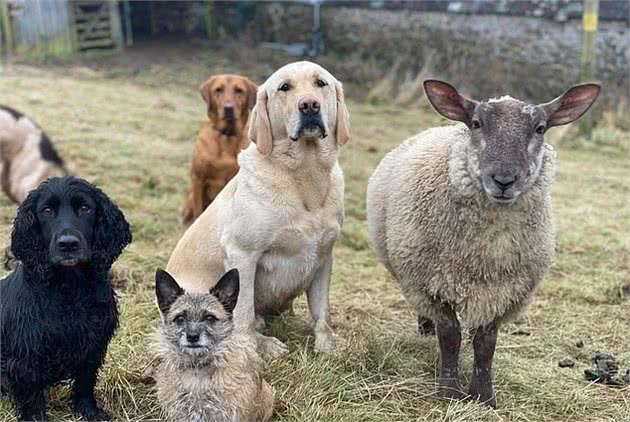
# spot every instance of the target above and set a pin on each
(230, 99)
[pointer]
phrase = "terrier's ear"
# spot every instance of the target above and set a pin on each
(167, 290)
(227, 290)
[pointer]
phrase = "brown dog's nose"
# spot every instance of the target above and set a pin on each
(228, 110)
(308, 105)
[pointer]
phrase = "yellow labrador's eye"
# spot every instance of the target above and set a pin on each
(284, 87)
(321, 83)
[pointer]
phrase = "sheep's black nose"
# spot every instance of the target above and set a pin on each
(308, 105)
(68, 243)
(504, 181)
(192, 337)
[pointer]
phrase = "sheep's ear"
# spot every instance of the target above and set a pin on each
(167, 290)
(571, 105)
(448, 102)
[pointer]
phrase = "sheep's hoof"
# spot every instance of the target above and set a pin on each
(426, 326)
(482, 392)
(450, 389)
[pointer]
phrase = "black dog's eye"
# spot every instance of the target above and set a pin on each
(84, 209)
(540, 129)
(476, 124)
(284, 87)
(48, 211)
(321, 83)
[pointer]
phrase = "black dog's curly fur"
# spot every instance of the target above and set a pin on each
(56, 323)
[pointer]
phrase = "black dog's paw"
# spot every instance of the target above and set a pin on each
(91, 412)
(37, 416)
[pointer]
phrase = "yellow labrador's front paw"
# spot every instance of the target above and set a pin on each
(325, 338)
(270, 347)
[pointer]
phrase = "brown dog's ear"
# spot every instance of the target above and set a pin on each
(343, 117)
(252, 90)
(205, 91)
(259, 125)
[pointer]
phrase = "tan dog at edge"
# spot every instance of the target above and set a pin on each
(277, 220)
(229, 99)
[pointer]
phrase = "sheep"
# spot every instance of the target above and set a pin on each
(460, 215)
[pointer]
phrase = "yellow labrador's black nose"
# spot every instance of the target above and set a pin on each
(308, 105)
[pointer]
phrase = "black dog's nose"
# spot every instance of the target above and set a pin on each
(192, 337)
(228, 111)
(504, 181)
(308, 105)
(68, 243)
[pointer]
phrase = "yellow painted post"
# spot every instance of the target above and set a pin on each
(7, 29)
(589, 26)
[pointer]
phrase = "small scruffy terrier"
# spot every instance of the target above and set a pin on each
(209, 368)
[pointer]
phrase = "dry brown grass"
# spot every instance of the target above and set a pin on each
(126, 123)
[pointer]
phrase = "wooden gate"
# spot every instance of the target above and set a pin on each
(96, 24)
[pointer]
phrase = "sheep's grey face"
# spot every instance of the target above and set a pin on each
(507, 138)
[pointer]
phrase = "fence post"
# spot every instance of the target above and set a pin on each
(7, 29)
(587, 73)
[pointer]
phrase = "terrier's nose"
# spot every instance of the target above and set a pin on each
(504, 181)
(192, 337)
(68, 243)
(308, 105)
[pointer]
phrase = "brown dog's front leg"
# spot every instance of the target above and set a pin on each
(484, 344)
(197, 190)
(449, 338)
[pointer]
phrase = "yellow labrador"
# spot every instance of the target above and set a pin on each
(279, 217)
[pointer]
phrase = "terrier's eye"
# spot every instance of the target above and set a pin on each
(540, 129)
(321, 83)
(476, 124)
(210, 318)
(284, 87)
(179, 319)
(84, 209)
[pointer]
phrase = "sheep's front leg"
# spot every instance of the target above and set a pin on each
(317, 295)
(484, 344)
(449, 338)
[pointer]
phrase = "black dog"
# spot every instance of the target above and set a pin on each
(59, 310)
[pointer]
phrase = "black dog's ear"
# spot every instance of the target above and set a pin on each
(167, 290)
(112, 232)
(227, 289)
(26, 241)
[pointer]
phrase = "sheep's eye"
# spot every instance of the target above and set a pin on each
(47, 210)
(476, 124)
(84, 209)
(321, 83)
(284, 87)
(219, 90)
(540, 129)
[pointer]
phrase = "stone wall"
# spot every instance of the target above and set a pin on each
(532, 58)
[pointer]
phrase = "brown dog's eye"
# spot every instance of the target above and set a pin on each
(321, 83)
(284, 87)
(219, 90)
(476, 124)
(540, 129)
(238, 90)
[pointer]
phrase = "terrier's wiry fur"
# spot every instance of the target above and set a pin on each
(209, 369)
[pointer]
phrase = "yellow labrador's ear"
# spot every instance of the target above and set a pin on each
(343, 117)
(259, 125)
(204, 90)
(251, 93)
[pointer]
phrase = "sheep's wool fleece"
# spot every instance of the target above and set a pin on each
(434, 229)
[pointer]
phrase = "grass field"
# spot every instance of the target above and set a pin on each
(127, 122)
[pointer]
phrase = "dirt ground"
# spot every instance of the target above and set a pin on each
(127, 122)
